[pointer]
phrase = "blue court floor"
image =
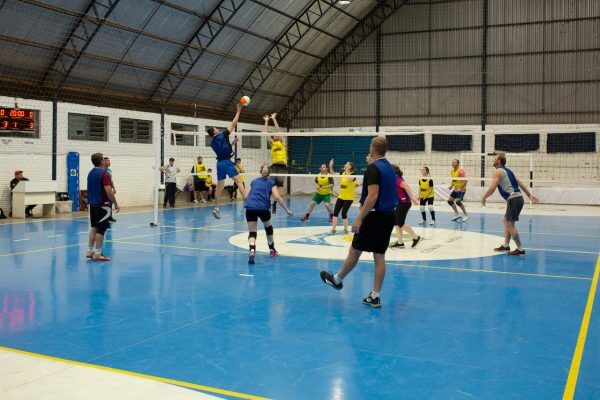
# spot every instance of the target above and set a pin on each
(179, 301)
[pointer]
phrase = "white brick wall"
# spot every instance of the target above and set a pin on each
(132, 164)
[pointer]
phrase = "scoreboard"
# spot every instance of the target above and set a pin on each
(17, 120)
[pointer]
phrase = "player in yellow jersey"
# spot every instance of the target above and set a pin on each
(458, 187)
(279, 157)
(199, 171)
(324, 186)
(345, 197)
(210, 185)
(426, 195)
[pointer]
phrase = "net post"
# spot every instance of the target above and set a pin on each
(158, 140)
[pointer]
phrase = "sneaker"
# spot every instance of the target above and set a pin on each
(373, 302)
(330, 218)
(89, 255)
(304, 219)
(465, 218)
(332, 232)
(516, 252)
(502, 248)
(327, 277)
(456, 218)
(100, 257)
(195, 201)
(111, 219)
(416, 241)
(217, 213)
(273, 253)
(164, 206)
(432, 223)
(398, 245)
(203, 201)
(423, 223)
(251, 255)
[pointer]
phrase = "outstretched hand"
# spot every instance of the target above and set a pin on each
(273, 116)
(239, 107)
(266, 118)
(290, 213)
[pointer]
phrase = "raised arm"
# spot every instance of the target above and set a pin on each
(266, 129)
(330, 166)
(234, 123)
(274, 118)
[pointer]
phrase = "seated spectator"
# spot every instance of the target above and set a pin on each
(18, 178)
(210, 185)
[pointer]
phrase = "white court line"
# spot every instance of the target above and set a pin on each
(247, 275)
(21, 240)
(53, 236)
(82, 232)
(132, 227)
(563, 251)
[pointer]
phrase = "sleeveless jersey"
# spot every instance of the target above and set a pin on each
(278, 152)
(388, 197)
(200, 170)
(508, 185)
(323, 180)
(456, 174)
(208, 180)
(347, 186)
(240, 172)
(426, 190)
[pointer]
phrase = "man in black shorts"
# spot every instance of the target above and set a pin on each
(101, 199)
(374, 224)
(510, 188)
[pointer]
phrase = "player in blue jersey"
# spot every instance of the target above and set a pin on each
(510, 188)
(258, 205)
(101, 199)
(223, 149)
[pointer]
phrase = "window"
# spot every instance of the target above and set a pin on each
(451, 143)
(182, 139)
(208, 138)
(405, 143)
(88, 127)
(584, 142)
(519, 143)
(135, 131)
(251, 142)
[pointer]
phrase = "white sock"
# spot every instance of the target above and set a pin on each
(90, 249)
(505, 244)
(336, 279)
(98, 251)
(374, 294)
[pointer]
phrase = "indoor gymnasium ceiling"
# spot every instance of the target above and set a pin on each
(180, 54)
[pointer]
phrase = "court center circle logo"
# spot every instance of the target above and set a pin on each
(316, 242)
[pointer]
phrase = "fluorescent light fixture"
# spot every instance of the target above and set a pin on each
(344, 2)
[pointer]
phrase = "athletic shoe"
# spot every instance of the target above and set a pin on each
(327, 277)
(164, 206)
(203, 201)
(516, 252)
(346, 231)
(100, 257)
(111, 219)
(398, 245)
(89, 255)
(332, 232)
(432, 223)
(251, 259)
(195, 201)
(456, 218)
(304, 219)
(217, 213)
(330, 219)
(502, 248)
(273, 253)
(373, 302)
(465, 218)
(423, 222)
(416, 241)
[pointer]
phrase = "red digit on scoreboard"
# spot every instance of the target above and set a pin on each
(31, 125)
(2, 112)
(5, 124)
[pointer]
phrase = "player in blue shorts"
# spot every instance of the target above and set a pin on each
(222, 147)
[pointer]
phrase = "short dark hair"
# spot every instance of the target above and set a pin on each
(238, 159)
(106, 158)
(97, 159)
(380, 145)
(457, 161)
(209, 170)
(426, 169)
(501, 158)
(171, 159)
(211, 131)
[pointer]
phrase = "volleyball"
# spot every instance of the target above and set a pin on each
(245, 100)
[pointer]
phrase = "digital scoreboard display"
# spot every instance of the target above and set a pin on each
(17, 120)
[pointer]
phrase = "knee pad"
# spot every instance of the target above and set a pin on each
(459, 203)
(269, 230)
(450, 202)
(422, 208)
(252, 235)
(430, 207)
